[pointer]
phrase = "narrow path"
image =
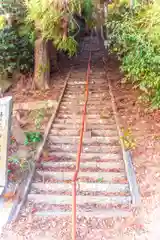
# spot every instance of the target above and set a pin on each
(102, 189)
(99, 192)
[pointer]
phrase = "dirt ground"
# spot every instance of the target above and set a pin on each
(23, 91)
(145, 127)
(144, 223)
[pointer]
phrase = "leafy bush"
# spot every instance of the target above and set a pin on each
(16, 38)
(16, 52)
(135, 36)
(8, 50)
(32, 137)
(54, 20)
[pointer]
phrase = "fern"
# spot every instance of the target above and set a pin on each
(49, 18)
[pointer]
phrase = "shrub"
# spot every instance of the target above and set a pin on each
(16, 52)
(135, 36)
(8, 50)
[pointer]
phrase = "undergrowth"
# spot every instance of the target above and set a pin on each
(134, 35)
(16, 51)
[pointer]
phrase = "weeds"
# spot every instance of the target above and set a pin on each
(127, 139)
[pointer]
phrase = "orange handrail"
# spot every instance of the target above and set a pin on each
(74, 190)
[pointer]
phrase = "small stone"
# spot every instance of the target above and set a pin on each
(54, 224)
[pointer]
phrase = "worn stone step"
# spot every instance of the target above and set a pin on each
(65, 199)
(92, 84)
(82, 186)
(86, 140)
(109, 177)
(82, 92)
(77, 104)
(76, 84)
(88, 155)
(92, 96)
(75, 120)
(77, 127)
(73, 132)
(102, 113)
(86, 149)
(96, 213)
(95, 89)
(85, 165)
(88, 116)
(81, 101)
(91, 87)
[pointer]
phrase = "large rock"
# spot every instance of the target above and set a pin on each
(34, 105)
(17, 131)
(5, 83)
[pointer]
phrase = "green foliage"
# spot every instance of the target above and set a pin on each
(39, 118)
(16, 52)
(8, 50)
(87, 9)
(67, 44)
(54, 20)
(32, 137)
(26, 55)
(127, 139)
(16, 41)
(2, 22)
(135, 36)
(100, 180)
(13, 7)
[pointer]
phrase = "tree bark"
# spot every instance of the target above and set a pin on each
(42, 64)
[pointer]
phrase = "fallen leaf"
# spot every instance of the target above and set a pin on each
(33, 210)
(100, 179)
(9, 195)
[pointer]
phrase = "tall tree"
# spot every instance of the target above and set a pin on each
(54, 22)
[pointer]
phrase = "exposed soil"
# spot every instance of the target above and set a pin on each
(22, 91)
(36, 120)
(145, 127)
(144, 223)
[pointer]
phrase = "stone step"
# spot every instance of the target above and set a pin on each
(73, 132)
(92, 96)
(95, 89)
(76, 127)
(94, 101)
(85, 165)
(77, 116)
(66, 199)
(88, 155)
(75, 120)
(96, 213)
(109, 177)
(77, 112)
(77, 104)
(76, 84)
(92, 84)
(86, 149)
(82, 187)
(82, 91)
(86, 140)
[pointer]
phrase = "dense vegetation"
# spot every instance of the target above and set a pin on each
(16, 39)
(134, 35)
(32, 32)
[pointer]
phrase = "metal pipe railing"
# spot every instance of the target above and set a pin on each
(74, 190)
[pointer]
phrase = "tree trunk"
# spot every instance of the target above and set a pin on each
(42, 64)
